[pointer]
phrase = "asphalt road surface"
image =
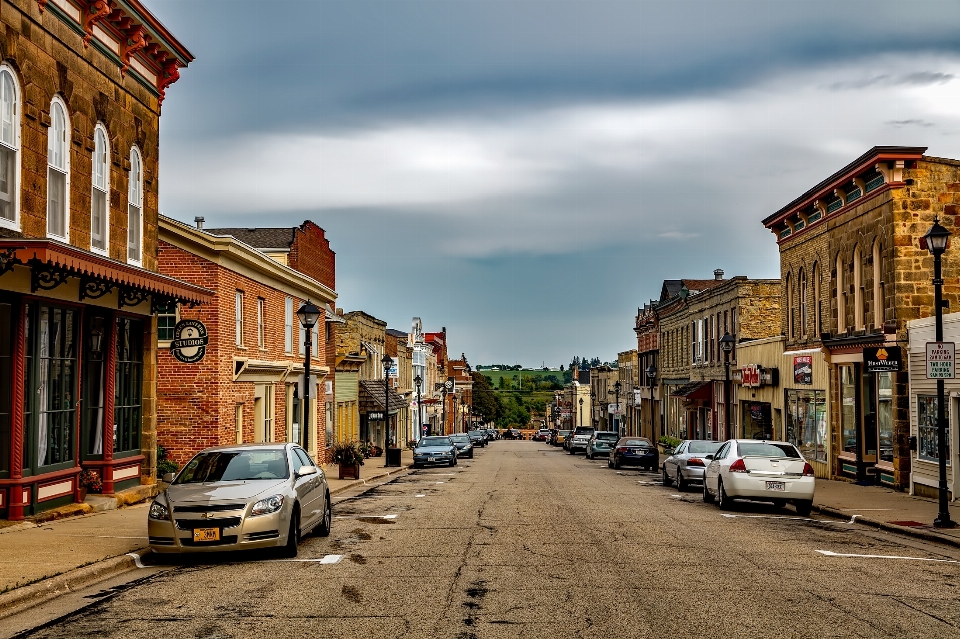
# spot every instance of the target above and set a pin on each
(527, 541)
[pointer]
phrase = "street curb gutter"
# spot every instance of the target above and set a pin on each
(24, 597)
(925, 535)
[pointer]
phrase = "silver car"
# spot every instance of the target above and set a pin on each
(688, 462)
(241, 497)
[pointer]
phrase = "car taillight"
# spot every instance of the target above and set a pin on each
(694, 461)
(621, 449)
(738, 467)
(807, 470)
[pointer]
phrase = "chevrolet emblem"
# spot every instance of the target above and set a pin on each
(206, 516)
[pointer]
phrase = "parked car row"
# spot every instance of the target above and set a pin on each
(447, 449)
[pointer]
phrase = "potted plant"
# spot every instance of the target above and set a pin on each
(89, 481)
(349, 457)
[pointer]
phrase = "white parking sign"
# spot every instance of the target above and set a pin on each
(940, 360)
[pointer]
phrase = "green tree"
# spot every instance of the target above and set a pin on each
(485, 400)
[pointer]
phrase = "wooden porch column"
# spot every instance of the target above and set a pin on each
(109, 386)
(15, 509)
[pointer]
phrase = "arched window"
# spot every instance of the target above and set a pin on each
(135, 208)
(789, 306)
(58, 171)
(9, 148)
(804, 324)
(877, 289)
(817, 319)
(841, 307)
(100, 199)
(857, 289)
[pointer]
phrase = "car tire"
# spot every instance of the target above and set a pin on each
(779, 503)
(323, 529)
(588, 455)
(707, 496)
(570, 450)
(723, 500)
(681, 482)
(290, 549)
(609, 463)
(616, 463)
(666, 478)
(803, 507)
(453, 462)
(418, 466)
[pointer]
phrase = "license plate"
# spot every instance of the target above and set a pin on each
(206, 534)
(775, 485)
(431, 459)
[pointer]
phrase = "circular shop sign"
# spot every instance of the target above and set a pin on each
(190, 340)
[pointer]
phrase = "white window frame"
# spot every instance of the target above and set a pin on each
(288, 325)
(238, 316)
(261, 323)
(58, 104)
(104, 189)
(135, 198)
(14, 145)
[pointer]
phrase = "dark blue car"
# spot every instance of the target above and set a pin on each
(634, 451)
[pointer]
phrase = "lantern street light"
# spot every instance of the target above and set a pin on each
(581, 411)
(418, 382)
(308, 314)
(616, 403)
(936, 241)
(593, 409)
(726, 345)
(651, 372)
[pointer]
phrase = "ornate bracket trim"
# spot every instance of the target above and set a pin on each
(168, 76)
(42, 4)
(131, 297)
(97, 11)
(136, 40)
(93, 288)
(8, 257)
(46, 277)
(162, 302)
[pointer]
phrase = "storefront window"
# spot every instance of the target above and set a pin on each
(885, 415)
(128, 386)
(806, 426)
(93, 377)
(927, 423)
(55, 384)
(848, 409)
(757, 420)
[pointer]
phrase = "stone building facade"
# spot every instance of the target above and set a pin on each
(854, 274)
(80, 92)
(646, 326)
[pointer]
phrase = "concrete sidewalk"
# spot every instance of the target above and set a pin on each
(43, 557)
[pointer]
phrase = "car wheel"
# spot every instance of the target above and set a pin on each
(471, 454)
(323, 530)
(803, 508)
(616, 463)
(707, 496)
(570, 450)
(723, 500)
(453, 462)
(779, 503)
(588, 455)
(418, 465)
(681, 481)
(293, 535)
(609, 463)
(666, 478)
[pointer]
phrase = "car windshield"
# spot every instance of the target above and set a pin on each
(636, 442)
(435, 441)
(704, 448)
(235, 465)
(763, 449)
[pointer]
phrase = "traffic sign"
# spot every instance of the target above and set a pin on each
(941, 357)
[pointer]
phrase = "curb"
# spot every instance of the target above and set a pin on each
(363, 482)
(925, 535)
(24, 597)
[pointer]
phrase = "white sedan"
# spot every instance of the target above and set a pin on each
(759, 470)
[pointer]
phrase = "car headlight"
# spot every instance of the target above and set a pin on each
(159, 511)
(266, 506)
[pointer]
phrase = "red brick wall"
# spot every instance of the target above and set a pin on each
(196, 403)
(311, 255)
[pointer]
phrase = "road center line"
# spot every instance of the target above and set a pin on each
(830, 553)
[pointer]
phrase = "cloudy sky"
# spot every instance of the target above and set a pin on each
(527, 172)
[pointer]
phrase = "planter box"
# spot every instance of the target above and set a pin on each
(349, 472)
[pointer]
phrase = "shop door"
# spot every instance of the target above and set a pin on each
(868, 425)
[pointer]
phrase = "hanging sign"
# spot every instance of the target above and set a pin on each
(803, 369)
(940, 360)
(883, 359)
(190, 340)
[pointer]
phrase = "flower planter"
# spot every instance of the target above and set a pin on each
(83, 493)
(349, 472)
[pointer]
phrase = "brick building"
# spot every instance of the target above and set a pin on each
(248, 387)
(647, 328)
(442, 419)
(627, 375)
(854, 275)
(80, 93)
(401, 351)
(459, 370)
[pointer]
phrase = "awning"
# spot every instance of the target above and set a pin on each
(51, 263)
(371, 397)
(694, 390)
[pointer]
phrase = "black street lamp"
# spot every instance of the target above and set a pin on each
(581, 411)
(616, 403)
(651, 372)
(418, 382)
(593, 409)
(726, 345)
(308, 314)
(935, 241)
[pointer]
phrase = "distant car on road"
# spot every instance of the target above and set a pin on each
(463, 444)
(438, 449)
(634, 451)
(601, 443)
(581, 437)
(762, 471)
(240, 497)
(541, 435)
(558, 437)
(687, 462)
(478, 437)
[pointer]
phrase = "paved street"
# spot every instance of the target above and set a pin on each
(527, 541)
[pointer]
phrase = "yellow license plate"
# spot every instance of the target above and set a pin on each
(206, 534)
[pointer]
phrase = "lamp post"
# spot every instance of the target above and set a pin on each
(387, 364)
(308, 314)
(616, 402)
(418, 382)
(935, 241)
(581, 411)
(726, 345)
(651, 372)
(593, 409)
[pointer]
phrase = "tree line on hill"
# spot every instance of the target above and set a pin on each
(508, 409)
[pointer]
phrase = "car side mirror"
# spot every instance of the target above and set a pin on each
(709, 457)
(306, 470)
(168, 477)
(667, 451)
